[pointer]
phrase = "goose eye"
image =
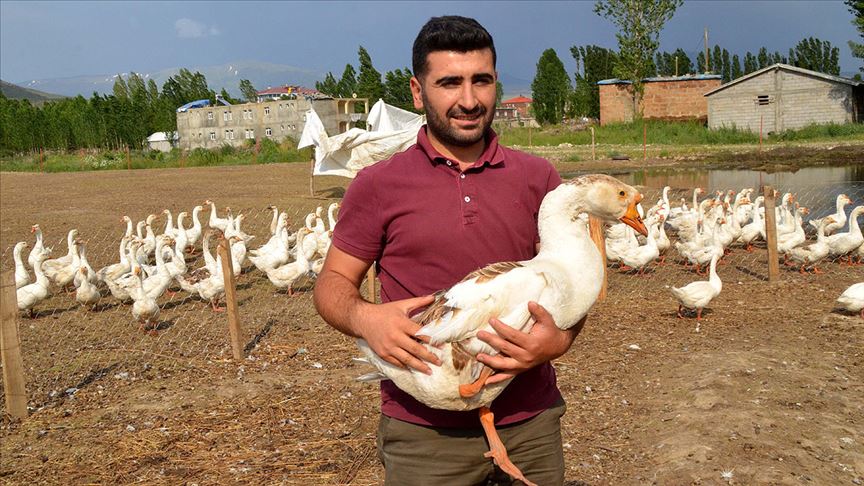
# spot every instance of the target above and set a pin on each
(622, 194)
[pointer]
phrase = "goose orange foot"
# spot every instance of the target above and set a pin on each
(471, 389)
(497, 451)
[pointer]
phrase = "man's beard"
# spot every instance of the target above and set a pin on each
(451, 136)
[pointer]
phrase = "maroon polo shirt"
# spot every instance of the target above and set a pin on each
(428, 225)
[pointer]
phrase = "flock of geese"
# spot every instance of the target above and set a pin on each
(150, 264)
(707, 229)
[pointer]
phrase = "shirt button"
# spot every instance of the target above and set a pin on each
(467, 199)
(462, 176)
(449, 163)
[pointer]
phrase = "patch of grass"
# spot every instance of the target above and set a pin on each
(268, 152)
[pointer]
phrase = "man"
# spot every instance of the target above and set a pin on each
(454, 202)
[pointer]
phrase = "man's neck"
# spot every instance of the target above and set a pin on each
(464, 156)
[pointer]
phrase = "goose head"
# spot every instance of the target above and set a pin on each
(606, 198)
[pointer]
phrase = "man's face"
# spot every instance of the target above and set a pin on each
(458, 94)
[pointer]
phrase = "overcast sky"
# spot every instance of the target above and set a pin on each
(62, 39)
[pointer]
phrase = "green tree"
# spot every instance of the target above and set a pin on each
(593, 64)
(329, 86)
(816, 55)
(856, 8)
(727, 66)
(550, 88)
(186, 86)
(715, 62)
(639, 25)
(499, 92)
(121, 90)
(763, 58)
(750, 63)
(397, 89)
(348, 82)
(225, 95)
(369, 83)
(248, 91)
(736, 67)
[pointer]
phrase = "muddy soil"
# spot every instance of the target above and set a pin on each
(767, 389)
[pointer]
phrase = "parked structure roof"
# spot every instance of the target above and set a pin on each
(787, 67)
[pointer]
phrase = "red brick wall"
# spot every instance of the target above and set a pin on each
(663, 100)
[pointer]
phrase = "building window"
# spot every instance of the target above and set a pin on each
(212, 135)
(227, 116)
(229, 134)
(250, 134)
(282, 127)
(268, 132)
(209, 115)
(763, 100)
(266, 110)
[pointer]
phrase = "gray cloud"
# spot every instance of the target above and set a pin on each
(192, 29)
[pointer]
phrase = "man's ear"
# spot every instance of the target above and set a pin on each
(416, 90)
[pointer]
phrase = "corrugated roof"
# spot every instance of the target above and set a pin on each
(518, 99)
(787, 67)
(660, 79)
(280, 90)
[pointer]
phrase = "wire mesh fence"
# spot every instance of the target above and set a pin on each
(67, 345)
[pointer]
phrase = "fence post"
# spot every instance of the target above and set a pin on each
(370, 285)
(224, 251)
(10, 348)
(593, 152)
(771, 234)
(595, 226)
(644, 141)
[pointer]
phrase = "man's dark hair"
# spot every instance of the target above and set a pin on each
(449, 33)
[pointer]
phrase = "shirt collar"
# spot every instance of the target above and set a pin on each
(492, 154)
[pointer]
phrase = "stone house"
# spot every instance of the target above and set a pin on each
(676, 98)
(783, 97)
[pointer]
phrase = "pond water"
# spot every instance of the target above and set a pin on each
(816, 188)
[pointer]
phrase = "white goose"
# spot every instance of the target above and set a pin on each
(285, 275)
(275, 221)
(115, 270)
(697, 295)
(638, 258)
(565, 277)
(839, 216)
(144, 309)
(63, 274)
(331, 215)
(22, 278)
(814, 253)
(82, 262)
(31, 294)
(755, 229)
(39, 248)
(193, 234)
(852, 299)
(55, 265)
(215, 221)
(86, 294)
(841, 244)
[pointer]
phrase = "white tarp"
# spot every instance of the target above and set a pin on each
(392, 130)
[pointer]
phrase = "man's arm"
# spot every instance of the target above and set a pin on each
(522, 351)
(386, 327)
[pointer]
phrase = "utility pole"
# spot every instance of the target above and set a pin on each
(707, 59)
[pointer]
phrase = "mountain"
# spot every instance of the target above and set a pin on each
(15, 92)
(228, 76)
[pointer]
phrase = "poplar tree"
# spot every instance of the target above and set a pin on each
(248, 91)
(856, 8)
(550, 88)
(369, 83)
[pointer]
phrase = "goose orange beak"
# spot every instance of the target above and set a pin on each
(631, 217)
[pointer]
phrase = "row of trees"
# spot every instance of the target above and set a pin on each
(368, 83)
(640, 23)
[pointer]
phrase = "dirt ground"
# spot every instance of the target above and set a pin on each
(767, 389)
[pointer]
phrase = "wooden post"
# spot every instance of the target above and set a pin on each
(370, 284)
(760, 132)
(644, 141)
(312, 175)
(128, 159)
(593, 152)
(10, 348)
(529, 136)
(224, 251)
(595, 226)
(771, 234)
(41, 160)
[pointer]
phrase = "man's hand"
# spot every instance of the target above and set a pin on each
(390, 333)
(522, 351)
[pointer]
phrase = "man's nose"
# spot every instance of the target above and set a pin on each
(468, 99)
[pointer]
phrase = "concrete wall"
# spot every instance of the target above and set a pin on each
(250, 121)
(672, 99)
(789, 100)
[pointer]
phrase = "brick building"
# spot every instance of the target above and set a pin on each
(665, 98)
(784, 97)
(521, 104)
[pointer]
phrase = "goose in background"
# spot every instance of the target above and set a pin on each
(39, 248)
(852, 299)
(841, 244)
(22, 278)
(215, 221)
(839, 216)
(697, 295)
(30, 295)
(86, 293)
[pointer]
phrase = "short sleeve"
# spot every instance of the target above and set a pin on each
(554, 179)
(360, 230)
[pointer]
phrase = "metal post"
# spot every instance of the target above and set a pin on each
(224, 251)
(771, 234)
(595, 226)
(10, 348)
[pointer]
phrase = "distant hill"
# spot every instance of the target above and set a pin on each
(15, 92)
